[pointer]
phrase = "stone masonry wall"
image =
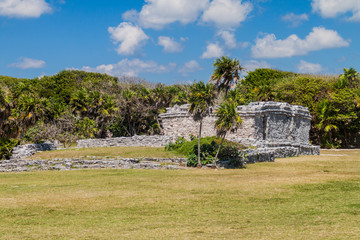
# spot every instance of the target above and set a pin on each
(265, 125)
(135, 141)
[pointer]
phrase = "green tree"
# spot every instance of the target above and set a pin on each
(226, 73)
(202, 97)
(227, 120)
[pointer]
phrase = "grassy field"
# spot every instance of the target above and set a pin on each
(125, 152)
(310, 197)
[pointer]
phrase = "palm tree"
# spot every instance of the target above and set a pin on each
(228, 120)
(202, 97)
(226, 73)
(326, 120)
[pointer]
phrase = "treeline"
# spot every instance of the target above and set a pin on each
(77, 104)
(333, 101)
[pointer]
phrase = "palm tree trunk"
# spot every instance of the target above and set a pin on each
(199, 159)
(217, 153)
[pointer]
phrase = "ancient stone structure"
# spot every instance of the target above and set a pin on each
(273, 126)
(27, 150)
(135, 141)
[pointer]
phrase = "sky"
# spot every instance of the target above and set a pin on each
(177, 41)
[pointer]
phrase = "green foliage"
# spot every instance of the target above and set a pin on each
(226, 73)
(333, 101)
(258, 85)
(98, 104)
(176, 145)
(208, 149)
(202, 97)
(6, 146)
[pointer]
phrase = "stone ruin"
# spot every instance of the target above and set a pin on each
(275, 127)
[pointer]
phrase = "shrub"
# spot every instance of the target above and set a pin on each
(208, 148)
(6, 146)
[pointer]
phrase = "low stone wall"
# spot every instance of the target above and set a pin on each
(74, 164)
(135, 141)
(27, 150)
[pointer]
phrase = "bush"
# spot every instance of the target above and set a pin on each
(178, 143)
(6, 146)
(208, 149)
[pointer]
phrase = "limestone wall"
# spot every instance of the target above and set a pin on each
(265, 124)
(135, 141)
(27, 150)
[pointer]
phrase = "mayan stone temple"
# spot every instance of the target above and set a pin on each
(269, 126)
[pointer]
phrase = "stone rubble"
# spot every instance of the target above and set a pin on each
(23, 165)
(27, 150)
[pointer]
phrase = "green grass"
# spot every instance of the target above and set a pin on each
(125, 152)
(310, 197)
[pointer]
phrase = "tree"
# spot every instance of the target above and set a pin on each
(226, 73)
(202, 97)
(228, 120)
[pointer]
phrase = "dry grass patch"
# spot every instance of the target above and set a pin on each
(101, 152)
(310, 197)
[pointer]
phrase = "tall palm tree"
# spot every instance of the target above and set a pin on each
(202, 97)
(228, 120)
(226, 73)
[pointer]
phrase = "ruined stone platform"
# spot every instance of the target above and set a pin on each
(272, 126)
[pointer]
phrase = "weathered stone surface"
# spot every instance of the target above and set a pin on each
(135, 141)
(281, 127)
(18, 165)
(27, 150)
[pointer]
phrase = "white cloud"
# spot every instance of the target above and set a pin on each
(253, 64)
(190, 67)
(227, 13)
(319, 38)
(230, 41)
(131, 68)
(24, 8)
(129, 37)
(306, 67)
(27, 63)
(131, 15)
(159, 13)
(229, 38)
(294, 19)
(169, 44)
(213, 50)
(334, 8)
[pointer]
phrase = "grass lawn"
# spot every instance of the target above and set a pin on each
(310, 197)
(125, 152)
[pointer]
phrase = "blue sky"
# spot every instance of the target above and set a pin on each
(176, 41)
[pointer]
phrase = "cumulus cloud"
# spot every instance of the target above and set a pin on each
(131, 68)
(129, 37)
(226, 13)
(306, 67)
(334, 8)
(189, 67)
(319, 38)
(24, 8)
(213, 50)
(157, 14)
(251, 65)
(230, 41)
(28, 63)
(294, 19)
(229, 38)
(169, 45)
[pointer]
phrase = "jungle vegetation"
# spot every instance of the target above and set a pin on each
(75, 104)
